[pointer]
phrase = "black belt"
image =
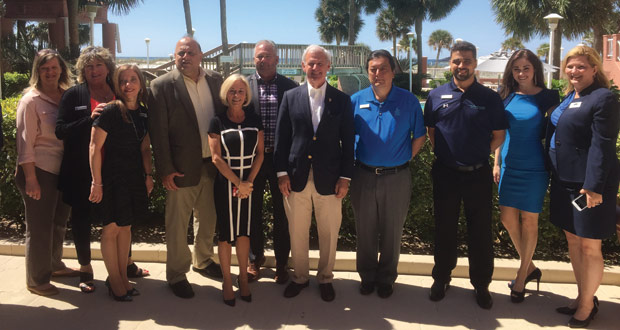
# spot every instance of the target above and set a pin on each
(469, 168)
(268, 150)
(383, 170)
(207, 160)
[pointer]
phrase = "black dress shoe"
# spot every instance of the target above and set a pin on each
(483, 298)
(438, 290)
(570, 311)
(385, 290)
(213, 270)
(367, 287)
(293, 289)
(182, 289)
(327, 291)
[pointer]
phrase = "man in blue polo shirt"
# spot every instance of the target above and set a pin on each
(386, 117)
(466, 122)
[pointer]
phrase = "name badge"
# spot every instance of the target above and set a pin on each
(364, 106)
(447, 96)
(81, 107)
(575, 105)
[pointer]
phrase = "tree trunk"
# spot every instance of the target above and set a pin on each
(224, 35)
(398, 69)
(352, 17)
(74, 39)
(437, 58)
(188, 18)
(597, 31)
(418, 32)
(557, 50)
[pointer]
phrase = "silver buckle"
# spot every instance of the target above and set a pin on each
(378, 170)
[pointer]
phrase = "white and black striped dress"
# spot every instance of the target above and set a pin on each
(239, 142)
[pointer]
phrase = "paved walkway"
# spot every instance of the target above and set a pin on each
(408, 308)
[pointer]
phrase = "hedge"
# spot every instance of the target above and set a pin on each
(419, 226)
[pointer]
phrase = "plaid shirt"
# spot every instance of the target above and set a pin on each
(268, 100)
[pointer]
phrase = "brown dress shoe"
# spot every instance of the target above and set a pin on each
(254, 268)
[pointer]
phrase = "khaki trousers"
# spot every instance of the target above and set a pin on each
(328, 214)
(179, 207)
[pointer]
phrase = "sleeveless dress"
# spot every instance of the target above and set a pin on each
(524, 179)
(239, 142)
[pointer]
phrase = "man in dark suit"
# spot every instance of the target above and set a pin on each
(314, 163)
(268, 88)
(181, 105)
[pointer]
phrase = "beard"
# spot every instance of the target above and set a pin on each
(462, 75)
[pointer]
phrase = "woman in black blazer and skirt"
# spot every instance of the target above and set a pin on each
(581, 144)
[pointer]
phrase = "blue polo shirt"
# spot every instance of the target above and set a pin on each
(383, 130)
(464, 122)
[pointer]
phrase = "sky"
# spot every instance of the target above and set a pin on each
(286, 21)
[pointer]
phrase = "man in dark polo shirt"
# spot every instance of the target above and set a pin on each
(268, 88)
(386, 117)
(466, 122)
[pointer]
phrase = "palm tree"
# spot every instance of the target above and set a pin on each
(188, 17)
(512, 44)
(421, 10)
(334, 19)
(525, 19)
(119, 7)
(543, 51)
(355, 10)
(439, 39)
(391, 27)
(224, 34)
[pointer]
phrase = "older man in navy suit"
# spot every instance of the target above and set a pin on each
(314, 163)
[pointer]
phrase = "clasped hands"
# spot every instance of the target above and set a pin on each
(244, 189)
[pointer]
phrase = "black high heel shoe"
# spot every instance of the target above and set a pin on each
(123, 298)
(247, 298)
(536, 274)
(575, 323)
(133, 292)
(516, 296)
(570, 311)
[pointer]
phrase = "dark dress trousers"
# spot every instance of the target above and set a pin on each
(281, 240)
(585, 157)
(329, 152)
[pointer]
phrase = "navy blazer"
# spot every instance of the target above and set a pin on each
(585, 140)
(329, 151)
(283, 83)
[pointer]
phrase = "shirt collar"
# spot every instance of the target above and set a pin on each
(455, 88)
(263, 81)
(370, 95)
(201, 75)
(320, 90)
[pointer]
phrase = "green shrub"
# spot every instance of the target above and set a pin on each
(14, 84)
(402, 80)
(11, 204)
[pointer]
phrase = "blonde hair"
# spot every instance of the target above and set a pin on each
(91, 53)
(42, 57)
(117, 88)
(229, 82)
(593, 59)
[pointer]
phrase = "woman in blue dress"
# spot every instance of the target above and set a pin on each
(519, 163)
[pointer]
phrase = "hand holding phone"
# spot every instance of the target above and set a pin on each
(581, 202)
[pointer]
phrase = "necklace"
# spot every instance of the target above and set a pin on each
(135, 130)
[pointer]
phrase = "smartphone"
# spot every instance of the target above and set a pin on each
(580, 203)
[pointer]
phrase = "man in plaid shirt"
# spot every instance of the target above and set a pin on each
(268, 88)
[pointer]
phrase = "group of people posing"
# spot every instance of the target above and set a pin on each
(218, 144)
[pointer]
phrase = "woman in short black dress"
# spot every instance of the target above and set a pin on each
(581, 144)
(122, 177)
(236, 141)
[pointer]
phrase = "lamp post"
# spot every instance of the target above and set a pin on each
(553, 20)
(410, 35)
(91, 9)
(147, 41)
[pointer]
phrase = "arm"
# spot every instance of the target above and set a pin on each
(68, 122)
(258, 159)
(145, 149)
(497, 164)
(27, 131)
(431, 136)
(497, 139)
(245, 187)
(347, 142)
(283, 147)
(416, 145)
(97, 139)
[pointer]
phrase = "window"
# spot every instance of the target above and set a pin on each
(610, 47)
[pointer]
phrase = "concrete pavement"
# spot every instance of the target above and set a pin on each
(408, 308)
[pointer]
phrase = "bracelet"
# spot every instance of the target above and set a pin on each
(96, 184)
(149, 174)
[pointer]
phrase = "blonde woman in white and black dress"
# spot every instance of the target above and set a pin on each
(122, 176)
(236, 140)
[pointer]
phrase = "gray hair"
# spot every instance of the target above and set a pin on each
(313, 48)
(267, 42)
